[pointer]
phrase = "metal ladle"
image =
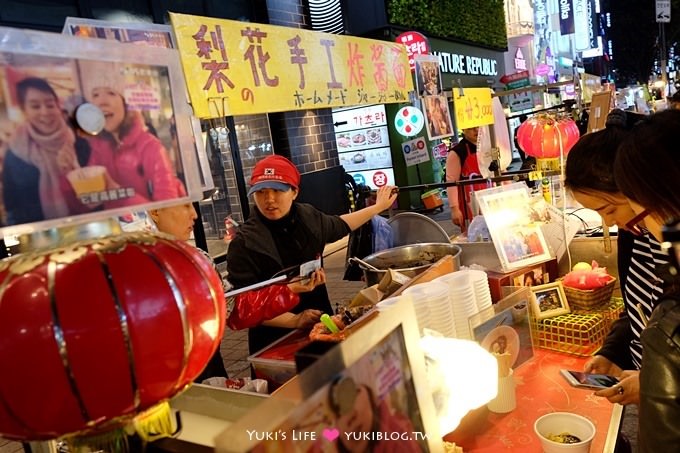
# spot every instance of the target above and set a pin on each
(363, 263)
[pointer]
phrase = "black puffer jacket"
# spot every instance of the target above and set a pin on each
(660, 380)
(262, 248)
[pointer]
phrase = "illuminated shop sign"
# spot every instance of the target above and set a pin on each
(581, 28)
(453, 63)
(566, 17)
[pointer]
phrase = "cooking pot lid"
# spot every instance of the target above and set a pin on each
(413, 228)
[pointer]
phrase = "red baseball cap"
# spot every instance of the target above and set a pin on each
(274, 172)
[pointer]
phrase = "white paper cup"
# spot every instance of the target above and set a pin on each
(564, 422)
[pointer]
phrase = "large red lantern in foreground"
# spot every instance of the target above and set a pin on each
(545, 137)
(98, 331)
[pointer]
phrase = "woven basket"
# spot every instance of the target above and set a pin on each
(582, 299)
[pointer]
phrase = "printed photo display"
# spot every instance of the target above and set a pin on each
(505, 330)
(549, 300)
(437, 117)
(518, 239)
(376, 394)
(428, 75)
(56, 166)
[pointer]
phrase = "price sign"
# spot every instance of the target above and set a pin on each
(473, 108)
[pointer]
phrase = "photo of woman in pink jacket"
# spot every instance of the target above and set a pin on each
(138, 165)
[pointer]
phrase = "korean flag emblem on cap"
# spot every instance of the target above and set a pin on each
(268, 171)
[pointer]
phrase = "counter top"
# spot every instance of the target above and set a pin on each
(540, 389)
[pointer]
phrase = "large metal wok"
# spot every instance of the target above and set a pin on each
(410, 260)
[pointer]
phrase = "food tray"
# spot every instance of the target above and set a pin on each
(574, 333)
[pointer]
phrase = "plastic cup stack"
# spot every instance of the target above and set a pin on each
(432, 299)
(388, 303)
(480, 285)
(462, 301)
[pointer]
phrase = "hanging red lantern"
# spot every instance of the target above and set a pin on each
(545, 136)
(100, 330)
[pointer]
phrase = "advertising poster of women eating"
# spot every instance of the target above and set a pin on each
(85, 136)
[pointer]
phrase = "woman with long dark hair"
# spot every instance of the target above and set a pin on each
(647, 170)
(589, 176)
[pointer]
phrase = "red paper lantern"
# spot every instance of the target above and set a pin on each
(100, 330)
(542, 136)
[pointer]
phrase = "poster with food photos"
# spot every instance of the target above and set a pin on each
(91, 129)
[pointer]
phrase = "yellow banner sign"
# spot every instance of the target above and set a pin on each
(240, 68)
(473, 108)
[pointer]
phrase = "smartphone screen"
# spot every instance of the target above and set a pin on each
(579, 378)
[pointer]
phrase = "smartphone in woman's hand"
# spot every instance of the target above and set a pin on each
(588, 380)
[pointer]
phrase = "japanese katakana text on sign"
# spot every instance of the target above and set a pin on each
(265, 68)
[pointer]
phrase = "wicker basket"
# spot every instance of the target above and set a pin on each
(582, 299)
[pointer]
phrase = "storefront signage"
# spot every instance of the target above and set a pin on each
(409, 121)
(473, 108)
(374, 179)
(415, 151)
(466, 64)
(581, 29)
(416, 44)
(520, 62)
(241, 68)
(521, 101)
(357, 118)
(517, 80)
(566, 17)
(593, 28)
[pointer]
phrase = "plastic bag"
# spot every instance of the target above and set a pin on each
(382, 234)
(251, 308)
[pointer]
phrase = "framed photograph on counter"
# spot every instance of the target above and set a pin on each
(373, 382)
(549, 300)
(505, 328)
(517, 238)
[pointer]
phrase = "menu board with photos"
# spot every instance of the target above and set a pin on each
(363, 144)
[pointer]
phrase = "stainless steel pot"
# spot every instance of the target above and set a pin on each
(410, 260)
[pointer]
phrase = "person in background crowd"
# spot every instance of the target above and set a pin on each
(674, 101)
(647, 170)
(134, 158)
(462, 164)
(42, 151)
(178, 221)
(589, 176)
(281, 235)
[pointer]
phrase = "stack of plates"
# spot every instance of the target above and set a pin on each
(462, 301)
(480, 285)
(433, 299)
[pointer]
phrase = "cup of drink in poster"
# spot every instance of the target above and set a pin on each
(90, 133)
(517, 238)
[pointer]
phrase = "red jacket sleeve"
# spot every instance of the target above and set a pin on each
(254, 307)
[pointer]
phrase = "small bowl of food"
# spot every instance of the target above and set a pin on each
(564, 432)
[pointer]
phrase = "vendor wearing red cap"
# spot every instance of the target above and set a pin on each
(282, 234)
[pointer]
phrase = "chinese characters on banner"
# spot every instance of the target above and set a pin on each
(265, 68)
(473, 108)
